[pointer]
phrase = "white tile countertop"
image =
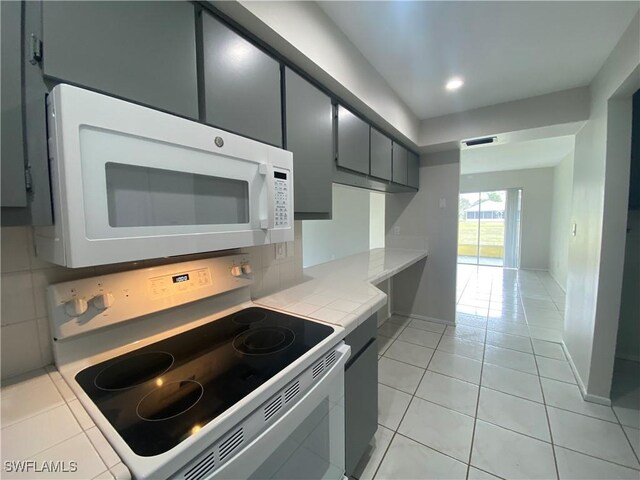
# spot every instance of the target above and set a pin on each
(341, 291)
(44, 426)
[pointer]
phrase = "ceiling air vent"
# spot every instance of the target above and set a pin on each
(480, 141)
(273, 408)
(202, 468)
(231, 443)
(291, 392)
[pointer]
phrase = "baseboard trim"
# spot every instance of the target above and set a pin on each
(587, 397)
(422, 317)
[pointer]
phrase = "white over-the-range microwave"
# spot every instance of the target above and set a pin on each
(131, 183)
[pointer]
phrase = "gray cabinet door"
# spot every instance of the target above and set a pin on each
(143, 51)
(241, 84)
(309, 118)
(381, 149)
(413, 170)
(399, 164)
(353, 142)
(14, 192)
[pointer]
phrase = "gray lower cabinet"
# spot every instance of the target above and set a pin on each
(381, 150)
(241, 84)
(14, 192)
(138, 50)
(361, 392)
(309, 114)
(399, 164)
(413, 170)
(353, 142)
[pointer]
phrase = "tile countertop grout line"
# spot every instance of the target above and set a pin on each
(332, 273)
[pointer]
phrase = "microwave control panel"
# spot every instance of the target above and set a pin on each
(282, 191)
(168, 285)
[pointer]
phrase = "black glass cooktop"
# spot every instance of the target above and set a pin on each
(158, 395)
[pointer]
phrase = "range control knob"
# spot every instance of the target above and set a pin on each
(103, 301)
(76, 307)
(246, 268)
(236, 270)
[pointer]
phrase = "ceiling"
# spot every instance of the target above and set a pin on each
(504, 50)
(544, 152)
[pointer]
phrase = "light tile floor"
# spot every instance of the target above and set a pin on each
(494, 396)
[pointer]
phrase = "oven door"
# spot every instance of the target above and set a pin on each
(307, 442)
(132, 183)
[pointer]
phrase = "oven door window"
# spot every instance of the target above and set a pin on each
(146, 197)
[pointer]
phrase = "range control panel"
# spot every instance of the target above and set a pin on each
(175, 283)
(282, 202)
(87, 304)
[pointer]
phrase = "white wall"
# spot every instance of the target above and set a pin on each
(537, 195)
(428, 288)
(599, 208)
(345, 234)
(376, 220)
(25, 334)
(302, 32)
(561, 220)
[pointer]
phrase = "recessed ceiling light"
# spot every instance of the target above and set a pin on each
(454, 84)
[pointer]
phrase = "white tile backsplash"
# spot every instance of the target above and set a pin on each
(25, 333)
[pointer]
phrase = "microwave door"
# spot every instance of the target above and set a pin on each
(133, 183)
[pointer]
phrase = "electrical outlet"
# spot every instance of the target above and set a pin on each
(281, 250)
(396, 230)
(443, 202)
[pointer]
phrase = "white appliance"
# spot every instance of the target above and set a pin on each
(112, 334)
(130, 183)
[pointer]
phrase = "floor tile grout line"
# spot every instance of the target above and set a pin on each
(546, 412)
(395, 432)
(475, 419)
(637, 454)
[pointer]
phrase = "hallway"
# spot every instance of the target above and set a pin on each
(494, 396)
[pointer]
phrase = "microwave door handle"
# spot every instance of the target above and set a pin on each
(269, 222)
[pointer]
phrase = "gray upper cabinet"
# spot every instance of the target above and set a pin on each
(399, 164)
(241, 84)
(353, 142)
(138, 50)
(381, 149)
(413, 170)
(14, 192)
(309, 115)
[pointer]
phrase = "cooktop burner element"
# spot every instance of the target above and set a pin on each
(158, 395)
(169, 400)
(264, 341)
(134, 370)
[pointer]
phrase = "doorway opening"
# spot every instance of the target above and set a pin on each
(489, 228)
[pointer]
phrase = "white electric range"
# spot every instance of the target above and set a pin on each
(188, 379)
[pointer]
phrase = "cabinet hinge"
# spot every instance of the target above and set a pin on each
(28, 180)
(35, 49)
